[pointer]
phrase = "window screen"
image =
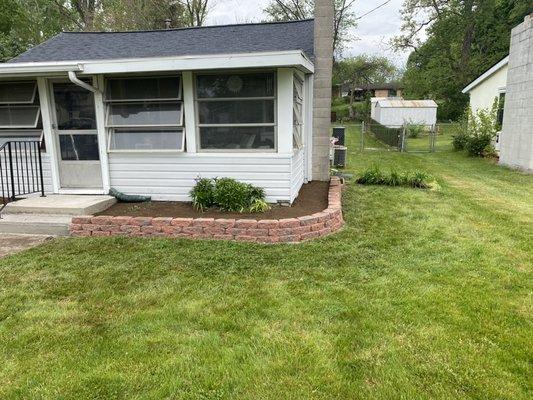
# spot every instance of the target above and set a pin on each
(145, 114)
(19, 105)
(236, 111)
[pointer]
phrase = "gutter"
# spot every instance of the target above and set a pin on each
(35, 68)
(75, 80)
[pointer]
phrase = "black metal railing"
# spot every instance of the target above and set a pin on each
(21, 170)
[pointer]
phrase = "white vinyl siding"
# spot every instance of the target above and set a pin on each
(171, 177)
(297, 172)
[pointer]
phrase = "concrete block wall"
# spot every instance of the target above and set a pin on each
(516, 143)
(323, 37)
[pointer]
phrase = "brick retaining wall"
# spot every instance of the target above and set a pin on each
(289, 230)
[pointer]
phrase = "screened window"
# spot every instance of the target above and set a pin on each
(298, 101)
(236, 111)
(145, 114)
(19, 105)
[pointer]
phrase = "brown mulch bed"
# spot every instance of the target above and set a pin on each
(313, 198)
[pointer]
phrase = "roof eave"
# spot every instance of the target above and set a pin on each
(496, 67)
(279, 59)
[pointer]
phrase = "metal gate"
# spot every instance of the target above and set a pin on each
(407, 138)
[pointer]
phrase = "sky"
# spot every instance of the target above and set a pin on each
(370, 37)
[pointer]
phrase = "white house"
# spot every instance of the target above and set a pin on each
(488, 87)
(148, 112)
(393, 113)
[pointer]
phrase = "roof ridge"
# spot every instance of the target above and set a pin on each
(191, 27)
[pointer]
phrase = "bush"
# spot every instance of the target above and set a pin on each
(228, 195)
(414, 130)
(374, 176)
(203, 194)
(476, 132)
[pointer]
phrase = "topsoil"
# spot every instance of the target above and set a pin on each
(313, 198)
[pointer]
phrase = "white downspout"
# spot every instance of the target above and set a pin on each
(75, 80)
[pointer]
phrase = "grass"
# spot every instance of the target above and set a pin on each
(423, 295)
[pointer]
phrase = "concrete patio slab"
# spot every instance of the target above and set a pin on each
(61, 204)
(10, 244)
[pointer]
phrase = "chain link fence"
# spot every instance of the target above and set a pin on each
(408, 138)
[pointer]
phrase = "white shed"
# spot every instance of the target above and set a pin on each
(397, 112)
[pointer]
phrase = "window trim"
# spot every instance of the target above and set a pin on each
(297, 128)
(159, 100)
(110, 129)
(110, 150)
(198, 126)
(20, 102)
(34, 126)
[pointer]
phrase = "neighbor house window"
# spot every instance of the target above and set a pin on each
(298, 101)
(145, 114)
(236, 111)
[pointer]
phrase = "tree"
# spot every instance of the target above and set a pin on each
(363, 70)
(463, 38)
(24, 24)
(344, 18)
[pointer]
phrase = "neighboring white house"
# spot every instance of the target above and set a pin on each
(393, 113)
(148, 112)
(488, 87)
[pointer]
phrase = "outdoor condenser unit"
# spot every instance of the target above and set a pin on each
(339, 133)
(339, 156)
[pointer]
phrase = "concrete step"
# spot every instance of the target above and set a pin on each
(61, 204)
(35, 224)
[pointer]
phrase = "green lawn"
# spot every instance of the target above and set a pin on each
(423, 295)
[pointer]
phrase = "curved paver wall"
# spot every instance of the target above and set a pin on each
(290, 230)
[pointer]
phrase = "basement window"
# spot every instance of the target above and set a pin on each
(145, 114)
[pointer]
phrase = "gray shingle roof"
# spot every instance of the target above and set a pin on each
(224, 39)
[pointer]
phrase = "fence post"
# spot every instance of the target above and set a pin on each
(12, 173)
(402, 142)
(362, 136)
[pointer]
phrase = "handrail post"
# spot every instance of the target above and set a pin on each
(40, 168)
(12, 175)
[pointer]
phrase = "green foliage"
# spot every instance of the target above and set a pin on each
(414, 130)
(229, 195)
(477, 131)
(203, 194)
(24, 24)
(462, 40)
(374, 176)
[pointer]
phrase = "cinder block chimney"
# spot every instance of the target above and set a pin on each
(322, 88)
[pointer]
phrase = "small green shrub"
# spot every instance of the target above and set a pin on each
(203, 194)
(229, 195)
(476, 132)
(414, 130)
(371, 176)
(374, 176)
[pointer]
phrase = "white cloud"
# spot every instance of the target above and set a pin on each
(371, 36)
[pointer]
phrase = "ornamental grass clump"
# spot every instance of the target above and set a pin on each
(228, 195)
(374, 176)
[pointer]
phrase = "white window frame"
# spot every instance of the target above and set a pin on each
(199, 125)
(20, 102)
(136, 127)
(32, 126)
